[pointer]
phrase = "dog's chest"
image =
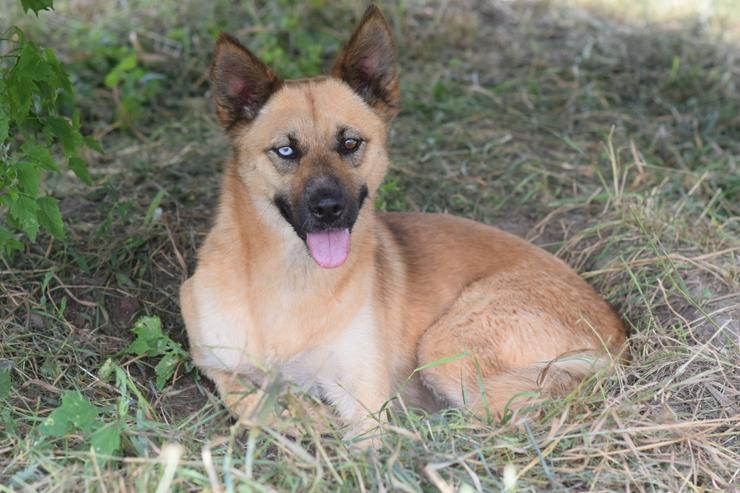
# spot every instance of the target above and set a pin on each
(309, 351)
(336, 359)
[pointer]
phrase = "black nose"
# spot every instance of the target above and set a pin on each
(326, 207)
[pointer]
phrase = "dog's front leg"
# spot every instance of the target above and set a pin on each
(243, 397)
(358, 399)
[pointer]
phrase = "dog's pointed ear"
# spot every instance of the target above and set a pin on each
(367, 63)
(240, 82)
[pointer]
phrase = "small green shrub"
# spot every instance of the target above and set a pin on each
(38, 116)
(77, 415)
(133, 87)
(151, 342)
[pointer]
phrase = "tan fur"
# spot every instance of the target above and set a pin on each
(415, 289)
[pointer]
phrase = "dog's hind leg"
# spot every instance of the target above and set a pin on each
(492, 349)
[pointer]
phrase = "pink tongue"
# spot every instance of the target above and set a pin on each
(329, 248)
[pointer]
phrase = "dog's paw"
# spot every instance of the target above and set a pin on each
(365, 436)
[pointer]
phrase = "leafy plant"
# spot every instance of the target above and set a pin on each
(132, 88)
(77, 414)
(390, 196)
(151, 342)
(37, 115)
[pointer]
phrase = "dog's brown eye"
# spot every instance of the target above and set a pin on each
(349, 145)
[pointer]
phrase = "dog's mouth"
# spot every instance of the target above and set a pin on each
(325, 232)
(329, 248)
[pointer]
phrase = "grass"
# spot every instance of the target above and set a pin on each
(606, 134)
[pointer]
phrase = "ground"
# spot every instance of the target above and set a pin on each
(607, 132)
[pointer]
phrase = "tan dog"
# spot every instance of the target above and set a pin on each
(299, 275)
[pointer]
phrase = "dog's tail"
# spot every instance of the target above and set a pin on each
(514, 389)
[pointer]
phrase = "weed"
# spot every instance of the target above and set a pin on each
(37, 111)
(151, 342)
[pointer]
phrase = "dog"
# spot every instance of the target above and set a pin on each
(300, 276)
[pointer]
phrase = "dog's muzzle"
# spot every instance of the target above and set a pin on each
(324, 217)
(326, 204)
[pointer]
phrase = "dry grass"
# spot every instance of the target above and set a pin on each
(611, 139)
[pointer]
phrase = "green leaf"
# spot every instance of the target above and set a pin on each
(149, 338)
(8, 243)
(62, 79)
(31, 64)
(127, 64)
(56, 424)
(107, 440)
(24, 210)
(93, 144)
(20, 91)
(150, 341)
(166, 368)
(105, 371)
(152, 209)
(79, 167)
(4, 383)
(29, 178)
(40, 155)
(34, 74)
(69, 137)
(74, 412)
(37, 5)
(124, 280)
(441, 361)
(50, 217)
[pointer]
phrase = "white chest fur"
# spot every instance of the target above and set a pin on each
(333, 365)
(335, 359)
(222, 336)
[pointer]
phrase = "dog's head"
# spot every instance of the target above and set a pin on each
(312, 152)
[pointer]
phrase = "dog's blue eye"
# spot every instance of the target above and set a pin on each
(287, 152)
